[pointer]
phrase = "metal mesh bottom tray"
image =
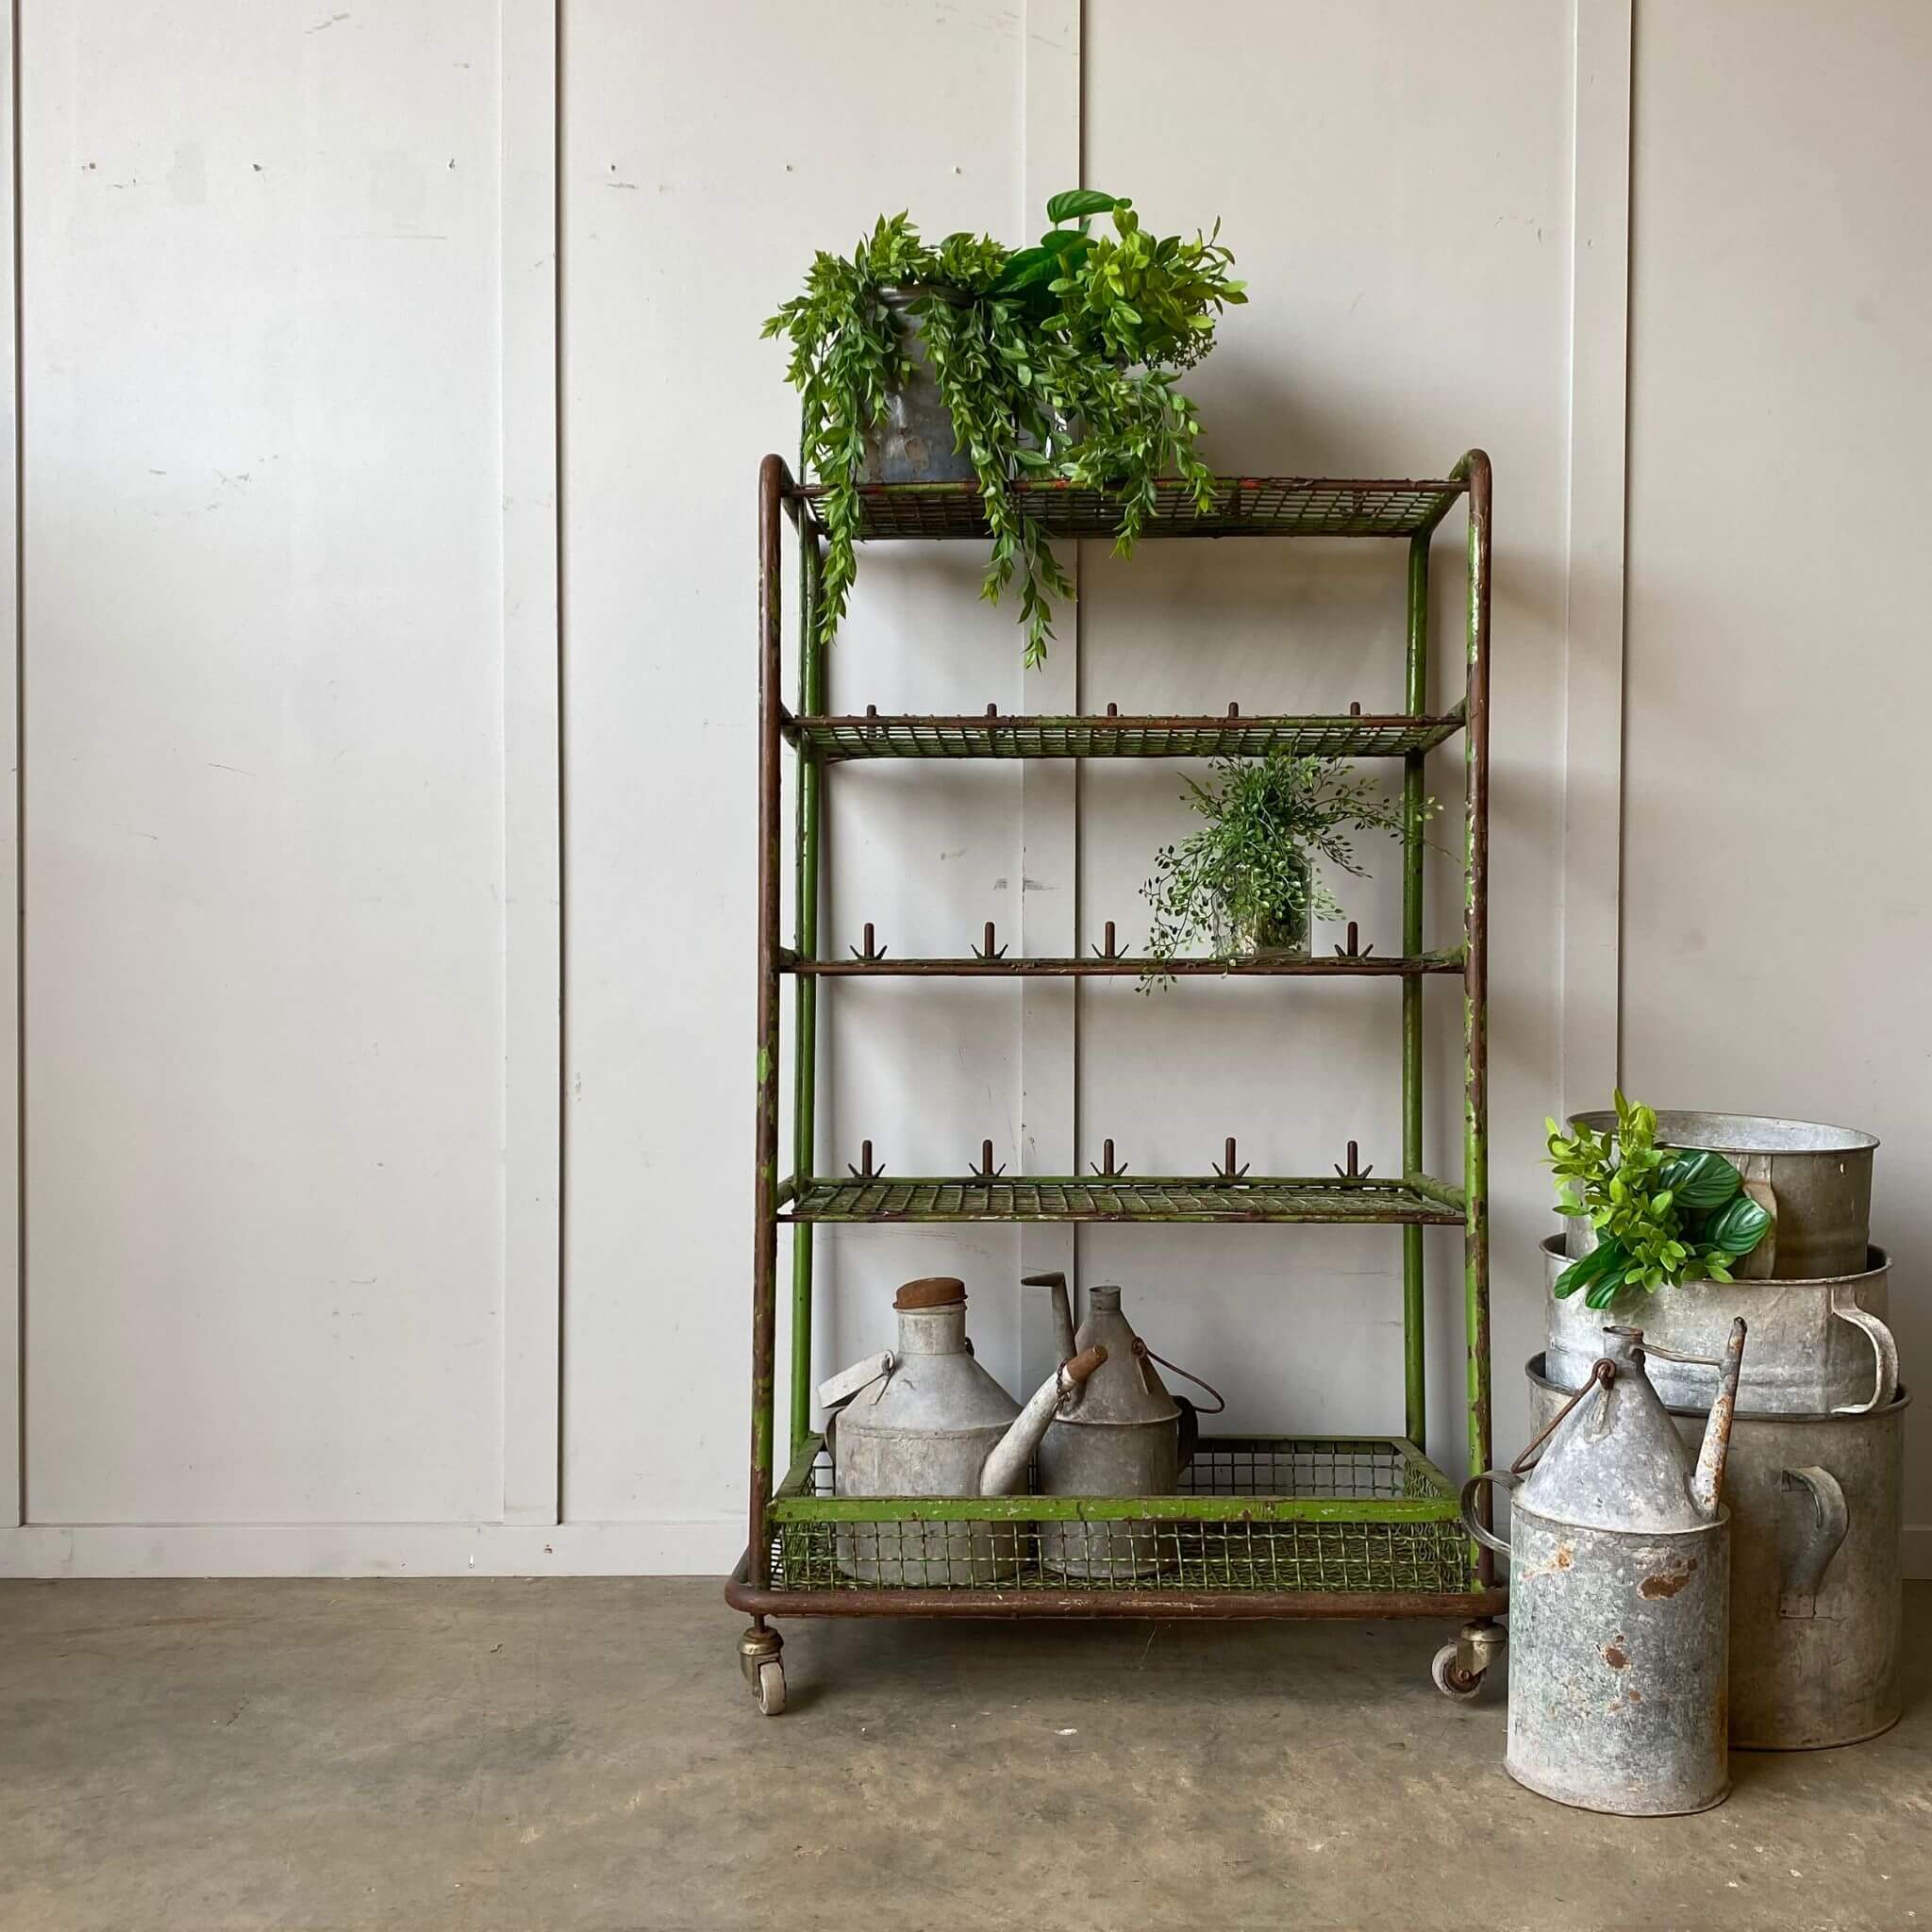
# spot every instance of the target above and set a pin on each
(1266, 1514)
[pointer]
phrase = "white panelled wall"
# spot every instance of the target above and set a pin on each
(391, 396)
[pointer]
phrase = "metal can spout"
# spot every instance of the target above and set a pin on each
(1004, 1473)
(1708, 1477)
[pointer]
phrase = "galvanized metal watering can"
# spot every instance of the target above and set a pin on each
(1122, 1434)
(926, 1420)
(1620, 1596)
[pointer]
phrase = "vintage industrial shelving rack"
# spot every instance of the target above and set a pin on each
(1268, 1527)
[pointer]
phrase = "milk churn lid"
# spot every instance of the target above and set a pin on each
(1616, 1460)
(932, 1292)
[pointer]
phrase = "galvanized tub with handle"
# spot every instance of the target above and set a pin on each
(1816, 1181)
(1815, 1503)
(1817, 1347)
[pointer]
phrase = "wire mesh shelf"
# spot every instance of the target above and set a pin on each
(1243, 506)
(833, 739)
(1262, 1514)
(1124, 1198)
(1131, 966)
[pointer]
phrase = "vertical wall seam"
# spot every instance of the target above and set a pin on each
(1588, 936)
(561, 538)
(19, 1179)
(1047, 1072)
(528, 390)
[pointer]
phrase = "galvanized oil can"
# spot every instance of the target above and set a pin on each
(1120, 1434)
(1619, 1598)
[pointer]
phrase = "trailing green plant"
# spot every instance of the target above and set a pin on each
(1662, 1215)
(1250, 870)
(1053, 361)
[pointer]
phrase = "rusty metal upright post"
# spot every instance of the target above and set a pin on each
(1475, 1174)
(811, 679)
(771, 475)
(1416, 702)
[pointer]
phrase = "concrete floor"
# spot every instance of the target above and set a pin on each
(561, 1754)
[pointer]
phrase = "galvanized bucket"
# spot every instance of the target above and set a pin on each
(914, 444)
(1817, 1347)
(1815, 1503)
(1816, 1180)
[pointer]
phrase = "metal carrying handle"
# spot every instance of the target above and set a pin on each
(861, 1375)
(1504, 1478)
(1845, 1306)
(1603, 1372)
(1220, 1400)
(1802, 1569)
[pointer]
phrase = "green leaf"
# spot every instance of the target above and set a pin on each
(1030, 265)
(1738, 1228)
(1075, 202)
(1604, 1258)
(1699, 1179)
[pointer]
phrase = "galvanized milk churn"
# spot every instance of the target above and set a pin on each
(1618, 1597)
(926, 1420)
(1122, 1434)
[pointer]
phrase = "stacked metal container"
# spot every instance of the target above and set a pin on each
(1814, 1482)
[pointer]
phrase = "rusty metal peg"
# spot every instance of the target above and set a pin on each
(989, 951)
(986, 1171)
(1108, 1170)
(1228, 1169)
(1353, 950)
(865, 1170)
(1353, 1171)
(1108, 948)
(873, 949)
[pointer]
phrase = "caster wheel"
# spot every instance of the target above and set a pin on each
(1451, 1679)
(771, 1686)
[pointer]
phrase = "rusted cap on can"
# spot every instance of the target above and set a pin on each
(932, 1292)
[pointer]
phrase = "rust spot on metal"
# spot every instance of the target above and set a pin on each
(1563, 1556)
(1617, 1659)
(1632, 1696)
(1669, 1583)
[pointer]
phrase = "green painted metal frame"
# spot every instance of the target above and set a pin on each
(780, 497)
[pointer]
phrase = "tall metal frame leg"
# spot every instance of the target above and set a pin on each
(1415, 698)
(1475, 1175)
(806, 989)
(765, 1202)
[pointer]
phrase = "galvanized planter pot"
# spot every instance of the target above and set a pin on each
(1815, 1503)
(915, 441)
(1817, 1181)
(1817, 1347)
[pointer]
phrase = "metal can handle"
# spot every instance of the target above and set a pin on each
(1804, 1568)
(1475, 1524)
(1845, 1306)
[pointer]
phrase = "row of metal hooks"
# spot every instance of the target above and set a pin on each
(869, 952)
(1108, 1168)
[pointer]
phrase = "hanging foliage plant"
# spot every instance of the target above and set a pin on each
(1247, 877)
(1662, 1215)
(1059, 360)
